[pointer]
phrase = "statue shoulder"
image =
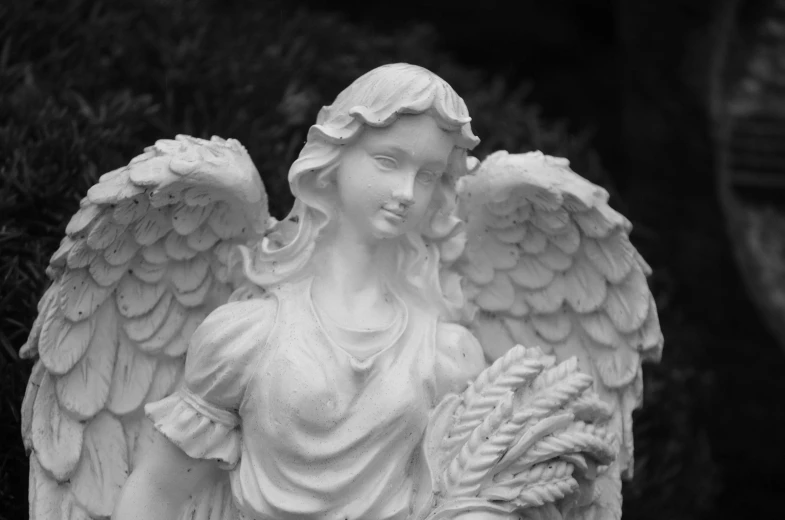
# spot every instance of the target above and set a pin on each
(459, 357)
(234, 332)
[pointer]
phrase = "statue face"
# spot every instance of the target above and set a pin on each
(386, 178)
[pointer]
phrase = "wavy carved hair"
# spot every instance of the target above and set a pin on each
(376, 99)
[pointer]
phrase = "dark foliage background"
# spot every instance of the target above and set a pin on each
(85, 85)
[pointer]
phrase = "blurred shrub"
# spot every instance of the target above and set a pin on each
(85, 85)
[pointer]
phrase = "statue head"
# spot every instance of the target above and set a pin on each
(376, 100)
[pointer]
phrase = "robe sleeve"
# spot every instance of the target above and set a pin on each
(459, 358)
(201, 417)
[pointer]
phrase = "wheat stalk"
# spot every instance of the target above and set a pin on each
(546, 492)
(564, 387)
(579, 437)
(478, 455)
(508, 373)
(511, 486)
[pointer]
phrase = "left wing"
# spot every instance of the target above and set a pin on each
(549, 263)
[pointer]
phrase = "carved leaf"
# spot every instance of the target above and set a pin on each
(104, 466)
(57, 438)
(131, 379)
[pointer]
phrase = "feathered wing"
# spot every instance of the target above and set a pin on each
(143, 262)
(549, 263)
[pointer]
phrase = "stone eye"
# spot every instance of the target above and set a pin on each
(385, 162)
(427, 177)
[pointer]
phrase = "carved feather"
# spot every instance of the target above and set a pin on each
(63, 342)
(104, 231)
(83, 391)
(130, 210)
(80, 255)
(167, 331)
(80, 296)
(82, 219)
(135, 297)
(104, 466)
(50, 499)
(57, 438)
(122, 250)
(186, 219)
(131, 378)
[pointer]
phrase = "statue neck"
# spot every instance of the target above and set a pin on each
(349, 282)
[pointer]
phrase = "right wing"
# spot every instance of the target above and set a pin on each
(143, 262)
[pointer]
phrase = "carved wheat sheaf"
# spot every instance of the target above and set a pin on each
(143, 262)
(527, 445)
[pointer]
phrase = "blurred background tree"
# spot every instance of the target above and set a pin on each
(86, 84)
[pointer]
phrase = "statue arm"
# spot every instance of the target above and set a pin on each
(160, 485)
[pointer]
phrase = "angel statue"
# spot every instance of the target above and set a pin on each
(425, 336)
